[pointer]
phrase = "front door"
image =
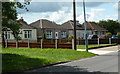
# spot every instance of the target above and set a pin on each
(56, 35)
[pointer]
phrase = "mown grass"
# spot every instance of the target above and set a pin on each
(94, 46)
(23, 58)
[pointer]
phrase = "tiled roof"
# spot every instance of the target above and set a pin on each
(93, 26)
(43, 23)
(70, 25)
(25, 25)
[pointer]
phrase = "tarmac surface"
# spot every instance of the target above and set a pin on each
(106, 62)
(101, 51)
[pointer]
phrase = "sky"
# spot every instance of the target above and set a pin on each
(61, 12)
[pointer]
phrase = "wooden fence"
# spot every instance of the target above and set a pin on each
(41, 44)
(98, 41)
(61, 43)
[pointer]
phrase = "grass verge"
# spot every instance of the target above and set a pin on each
(94, 46)
(23, 58)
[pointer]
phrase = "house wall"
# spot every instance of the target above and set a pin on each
(100, 33)
(79, 33)
(56, 30)
(40, 33)
(34, 34)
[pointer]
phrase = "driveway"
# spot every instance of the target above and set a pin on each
(101, 51)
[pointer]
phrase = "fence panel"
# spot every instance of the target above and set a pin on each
(48, 45)
(118, 41)
(22, 44)
(95, 41)
(81, 41)
(104, 41)
(65, 45)
(115, 40)
(92, 41)
(35, 45)
(11, 44)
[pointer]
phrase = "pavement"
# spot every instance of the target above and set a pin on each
(101, 51)
(106, 62)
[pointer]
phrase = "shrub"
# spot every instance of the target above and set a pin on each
(70, 37)
(109, 35)
(118, 34)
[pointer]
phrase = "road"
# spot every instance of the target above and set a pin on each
(102, 63)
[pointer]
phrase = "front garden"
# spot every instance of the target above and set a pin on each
(24, 58)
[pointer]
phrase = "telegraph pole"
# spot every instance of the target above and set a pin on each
(74, 15)
(86, 40)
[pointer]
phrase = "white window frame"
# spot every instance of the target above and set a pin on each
(64, 34)
(49, 34)
(27, 34)
(96, 32)
(7, 34)
(56, 35)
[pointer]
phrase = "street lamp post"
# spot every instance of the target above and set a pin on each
(74, 15)
(86, 40)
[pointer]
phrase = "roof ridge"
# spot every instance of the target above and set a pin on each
(71, 24)
(91, 25)
(41, 25)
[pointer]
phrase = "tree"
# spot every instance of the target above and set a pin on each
(71, 37)
(118, 34)
(109, 35)
(111, 25)
(9, 18)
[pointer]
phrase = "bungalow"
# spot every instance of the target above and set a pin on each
(49, 30)
(96, 29)
(69, 26)
(26, 32)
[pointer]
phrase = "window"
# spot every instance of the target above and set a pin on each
(7, 35)
(78, 34)
(96, 32)
(27, 34)
(64, 35)
(103, 33)
(49, 34)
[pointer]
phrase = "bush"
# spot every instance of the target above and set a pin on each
(118, 34)
(109, 35)
(70, 37)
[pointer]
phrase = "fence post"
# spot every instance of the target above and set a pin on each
(16, 44)
(6, 43)
(78, 41)
(118, 47)
(109, 40)
(56, 44)
(98, 41)
(28, 43)
(73, 44)
(41, 41)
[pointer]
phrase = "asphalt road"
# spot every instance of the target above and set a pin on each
(102, 63)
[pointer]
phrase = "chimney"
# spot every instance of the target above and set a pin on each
(21, 19)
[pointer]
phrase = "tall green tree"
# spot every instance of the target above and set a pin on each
(111, 25)
(9, 18)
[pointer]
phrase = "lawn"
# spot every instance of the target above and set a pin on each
(22, 58)
(94, 46)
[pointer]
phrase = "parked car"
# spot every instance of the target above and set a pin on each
(92, 36)
(114, 36)
(103, 37)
